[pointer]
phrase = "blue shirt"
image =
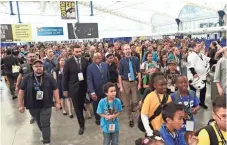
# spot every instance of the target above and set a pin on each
(168, 138)
(103, 109)
(124, 67)
(194, 102)
(49, 65)
(57, 52)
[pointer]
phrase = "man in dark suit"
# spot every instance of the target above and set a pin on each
(75, 84)
(7, 64)
(97, 77)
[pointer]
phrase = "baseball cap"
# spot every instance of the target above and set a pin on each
(171, 61)
(151, 65)
(36, 61)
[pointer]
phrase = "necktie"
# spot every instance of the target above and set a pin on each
(100, 68)
(131, 70)
(78, 63)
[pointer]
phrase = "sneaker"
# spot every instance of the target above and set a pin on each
(32, 120)
(41, 136)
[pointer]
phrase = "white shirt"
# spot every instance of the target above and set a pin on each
(200, 63)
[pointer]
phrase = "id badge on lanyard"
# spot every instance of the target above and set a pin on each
(190, 125)
(111, 127)
(39, 93)
(80, 76)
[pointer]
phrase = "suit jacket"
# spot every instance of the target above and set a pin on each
(7, 62)
(71, 81)
(96, 80)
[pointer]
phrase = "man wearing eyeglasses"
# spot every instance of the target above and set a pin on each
(26, 68)
(36, 93)
(215, 132)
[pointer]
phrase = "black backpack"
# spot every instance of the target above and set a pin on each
(157, 112)
(211, 132)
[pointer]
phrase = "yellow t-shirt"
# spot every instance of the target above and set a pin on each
(150, 104)
(204, 138)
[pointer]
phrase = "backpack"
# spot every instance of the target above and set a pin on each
(177, 95)
(211, 132)
(157, 112)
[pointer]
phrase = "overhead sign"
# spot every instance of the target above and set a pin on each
(49, 31)
(82, 30)
(68, 10)
(22, 32)
(6, 34)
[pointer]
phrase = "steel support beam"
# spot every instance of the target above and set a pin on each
(18, 12)
(11, 8)
(92, 14)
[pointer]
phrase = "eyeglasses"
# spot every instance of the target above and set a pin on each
(37, 66)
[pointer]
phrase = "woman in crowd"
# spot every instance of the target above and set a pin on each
(183, 60)
(174, 54)
(147, 68)
(163, 62)
(57, 74)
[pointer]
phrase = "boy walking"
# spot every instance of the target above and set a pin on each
(109, 109)
(188, 99)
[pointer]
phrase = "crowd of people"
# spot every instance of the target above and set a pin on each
(157, 78)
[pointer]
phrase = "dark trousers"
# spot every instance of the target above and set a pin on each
(42, 117)
(95, 106)
(78, 103)
(202, 93)
(12, 80)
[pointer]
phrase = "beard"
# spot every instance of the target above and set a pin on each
(38, 73)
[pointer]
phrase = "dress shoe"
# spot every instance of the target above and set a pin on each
(81, 131)
(32, 120)
(14, 97)
(70, 116)
(65, 113)
(204, 106)
(97, 122)
(131, 123)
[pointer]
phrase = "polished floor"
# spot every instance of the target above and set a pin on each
(16, 129)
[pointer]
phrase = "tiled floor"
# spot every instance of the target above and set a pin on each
(16, 130)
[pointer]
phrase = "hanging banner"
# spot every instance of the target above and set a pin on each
(82, 30)
(22, 32)
(68, 10)
(49, 31)
(6, 34)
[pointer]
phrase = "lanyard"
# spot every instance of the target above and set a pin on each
(220, 134)
(108, 107)
(37, 82)
(188, 101)
(159, 99)
(187, 107)
(173, 135)
(200, 56)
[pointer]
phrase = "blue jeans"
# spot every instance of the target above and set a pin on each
(111, 138)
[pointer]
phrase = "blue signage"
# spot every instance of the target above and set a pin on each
(50, 31)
